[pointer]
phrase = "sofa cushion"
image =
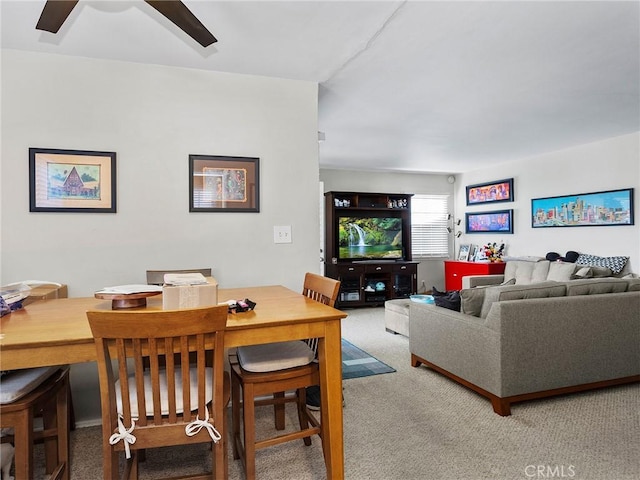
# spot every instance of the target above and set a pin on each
(526, 272)
(471, 299)
(594, 286)
(634, 284)
(561, 271)
(519, 292)
(616, 264)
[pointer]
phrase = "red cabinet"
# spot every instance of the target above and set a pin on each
(454, 271)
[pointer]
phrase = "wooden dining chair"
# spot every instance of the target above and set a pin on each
(156, 277)
(25, 395)
(182, 403)
(271, 371)
(43, 290)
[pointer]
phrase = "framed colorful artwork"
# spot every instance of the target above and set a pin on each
(224, 184)
(597, 209)
(492, 192)
(499, 221)
(78, 181)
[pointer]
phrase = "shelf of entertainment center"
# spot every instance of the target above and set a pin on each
(370, 284)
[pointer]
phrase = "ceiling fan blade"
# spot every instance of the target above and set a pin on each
(54, 14)
(178, 13)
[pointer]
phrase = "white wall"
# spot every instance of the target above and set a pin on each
(606, 165)
(153, 117)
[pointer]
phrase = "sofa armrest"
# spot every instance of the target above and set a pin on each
(471, 281)
(458, 343)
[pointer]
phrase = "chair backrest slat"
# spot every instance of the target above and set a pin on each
(170, 367)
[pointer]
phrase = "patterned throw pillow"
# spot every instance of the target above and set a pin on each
(616, 264)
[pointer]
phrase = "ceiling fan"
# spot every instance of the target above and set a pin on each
(55, 12)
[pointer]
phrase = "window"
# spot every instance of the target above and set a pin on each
(429, 221)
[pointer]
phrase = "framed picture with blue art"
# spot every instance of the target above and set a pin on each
(76, 181)
(595, 209)
(224, 184)
(497, 221)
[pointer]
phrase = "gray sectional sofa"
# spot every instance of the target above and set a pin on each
(519, 342)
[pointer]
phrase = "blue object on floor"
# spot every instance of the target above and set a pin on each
(422, 298)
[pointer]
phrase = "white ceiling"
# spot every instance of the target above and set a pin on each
(416, 86)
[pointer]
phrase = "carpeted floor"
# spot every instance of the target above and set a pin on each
(418, 425)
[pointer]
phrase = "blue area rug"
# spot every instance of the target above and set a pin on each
(357, 363)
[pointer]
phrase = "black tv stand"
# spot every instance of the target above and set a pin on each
(369, 282)
(372, 283)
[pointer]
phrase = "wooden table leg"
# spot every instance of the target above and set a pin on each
(330, 360)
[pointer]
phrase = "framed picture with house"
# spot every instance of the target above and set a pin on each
(80, 181)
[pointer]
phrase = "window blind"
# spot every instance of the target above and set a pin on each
(429, 220)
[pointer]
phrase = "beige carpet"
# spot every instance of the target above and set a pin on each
(416, 424)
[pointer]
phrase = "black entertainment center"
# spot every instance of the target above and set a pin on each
(368, 247)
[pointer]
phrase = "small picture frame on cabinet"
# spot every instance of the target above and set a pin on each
(473, 249)
(463, 253)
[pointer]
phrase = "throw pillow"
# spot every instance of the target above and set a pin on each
(584, 272)
(600, 272)
(616, 264)
(561, 271)
(471, 299)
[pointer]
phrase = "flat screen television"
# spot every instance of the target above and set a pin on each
(370, 237)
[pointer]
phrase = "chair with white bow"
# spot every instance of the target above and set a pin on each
(182, 403)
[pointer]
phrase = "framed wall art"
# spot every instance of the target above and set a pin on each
(224, 184)
(612, 207)
(72, 181)
(493, 192)
(499, 221)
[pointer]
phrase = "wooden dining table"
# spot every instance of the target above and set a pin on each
(54, 332)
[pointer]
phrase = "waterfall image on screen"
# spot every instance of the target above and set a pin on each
(370, 238)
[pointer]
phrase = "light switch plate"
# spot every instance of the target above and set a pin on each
(282, 234)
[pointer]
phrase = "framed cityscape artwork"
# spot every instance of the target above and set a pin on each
(224, 184)
(78, 181)
(612, 207)
(492, 192)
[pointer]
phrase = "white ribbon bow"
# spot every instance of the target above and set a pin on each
(194, 427)
(124, 435)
